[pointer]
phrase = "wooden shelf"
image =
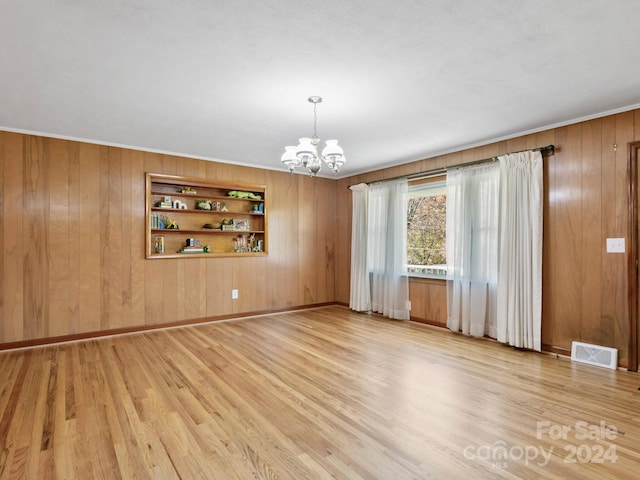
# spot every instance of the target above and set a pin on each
(225, 198)
(205, 255)
(214, 231)
(200, 211)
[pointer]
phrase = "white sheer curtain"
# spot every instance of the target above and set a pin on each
(519, 315)
(379, 279)
(472, 249)
(386, 245)
(360, 293)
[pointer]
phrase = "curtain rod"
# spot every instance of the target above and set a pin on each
(545, 151)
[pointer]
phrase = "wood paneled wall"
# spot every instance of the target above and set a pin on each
(586, 184)
(72, 239)
(72, 225)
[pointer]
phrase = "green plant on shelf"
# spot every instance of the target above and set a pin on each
(203, 204)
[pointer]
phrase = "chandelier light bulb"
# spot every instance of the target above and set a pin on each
(290, 159)
(306, 151)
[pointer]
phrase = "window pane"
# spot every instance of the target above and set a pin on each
(426, 229)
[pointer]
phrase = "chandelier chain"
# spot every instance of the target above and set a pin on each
(315, 122)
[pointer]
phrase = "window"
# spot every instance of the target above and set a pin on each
(427, 228)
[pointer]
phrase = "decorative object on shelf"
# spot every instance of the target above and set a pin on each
(306, 155)
(252, 196)
(224, 208)
(171, 225)
(242, 244)
(227, 224)
(166, 202)
(240, 224)
(159, 244)
(188, 190)
(203, 204)
(192, 245)
(179, 205)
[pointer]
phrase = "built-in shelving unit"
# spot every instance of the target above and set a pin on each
(195, 217)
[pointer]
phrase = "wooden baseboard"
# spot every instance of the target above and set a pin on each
(145, 328)
(427, 322)
(558, 350)
(549, 349)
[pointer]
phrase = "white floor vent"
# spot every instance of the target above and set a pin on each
(594, 355)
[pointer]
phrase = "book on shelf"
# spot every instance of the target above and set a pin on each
(192, 250)
(156, 222)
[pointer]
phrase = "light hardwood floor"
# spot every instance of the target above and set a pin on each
(315, 394)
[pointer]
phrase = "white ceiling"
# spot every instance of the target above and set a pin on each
(229, 80)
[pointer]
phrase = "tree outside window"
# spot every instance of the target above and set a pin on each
(426, 229)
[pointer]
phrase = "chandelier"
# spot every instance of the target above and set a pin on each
(305, 155)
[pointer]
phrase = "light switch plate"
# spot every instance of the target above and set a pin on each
(615, 245)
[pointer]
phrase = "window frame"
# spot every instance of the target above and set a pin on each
(432, 182)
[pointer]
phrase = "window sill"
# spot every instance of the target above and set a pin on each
(428, 278)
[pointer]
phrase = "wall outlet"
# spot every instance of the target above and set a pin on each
(234, 294)
(615, 245)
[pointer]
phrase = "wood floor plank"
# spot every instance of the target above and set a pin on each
(317, 394)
